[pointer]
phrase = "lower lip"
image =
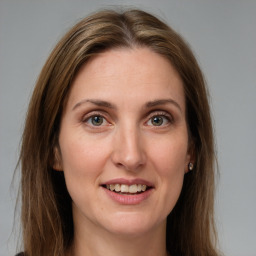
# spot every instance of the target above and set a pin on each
(128, 199)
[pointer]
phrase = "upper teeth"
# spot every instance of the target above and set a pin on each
(134, 188)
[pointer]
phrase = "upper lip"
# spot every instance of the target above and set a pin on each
(128, 182)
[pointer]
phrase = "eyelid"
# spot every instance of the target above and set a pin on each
(161, 113)
(93, 113)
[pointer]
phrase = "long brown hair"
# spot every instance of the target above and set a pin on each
(46, 205)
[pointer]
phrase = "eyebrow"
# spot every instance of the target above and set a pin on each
(155, 103)
(100, 103)
(150, 104)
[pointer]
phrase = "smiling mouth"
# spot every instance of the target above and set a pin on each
(125, 189)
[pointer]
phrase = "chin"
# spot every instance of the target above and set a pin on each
(133, 224)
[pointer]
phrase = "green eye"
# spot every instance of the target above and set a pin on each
(157, 120)
(160, 119)
(97, 120)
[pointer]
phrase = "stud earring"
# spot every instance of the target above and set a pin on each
(190, 166)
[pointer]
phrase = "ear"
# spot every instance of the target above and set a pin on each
(57, 162)
(191, 157)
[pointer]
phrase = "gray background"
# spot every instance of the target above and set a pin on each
(223, 37)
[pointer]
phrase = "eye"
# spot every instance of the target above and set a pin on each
(159, 120)
(96, 120)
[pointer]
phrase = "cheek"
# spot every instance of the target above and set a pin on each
(169, 159)
(82, 153)
(170, 154)
(83, 160)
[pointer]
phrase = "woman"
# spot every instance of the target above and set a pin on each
(118, 153)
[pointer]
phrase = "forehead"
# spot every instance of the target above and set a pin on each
(128, 74)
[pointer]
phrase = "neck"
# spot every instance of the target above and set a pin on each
(97, 242)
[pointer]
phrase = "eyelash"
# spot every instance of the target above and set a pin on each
(88, 117)
(152, 115)
(161, 114)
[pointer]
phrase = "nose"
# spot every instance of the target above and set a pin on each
(128, 152)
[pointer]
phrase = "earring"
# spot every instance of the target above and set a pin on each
(190, 166)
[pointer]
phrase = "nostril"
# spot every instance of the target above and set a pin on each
(130, 164)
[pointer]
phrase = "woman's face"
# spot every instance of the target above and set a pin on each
(124, 142)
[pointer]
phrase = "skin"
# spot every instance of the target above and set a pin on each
(138, 100)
